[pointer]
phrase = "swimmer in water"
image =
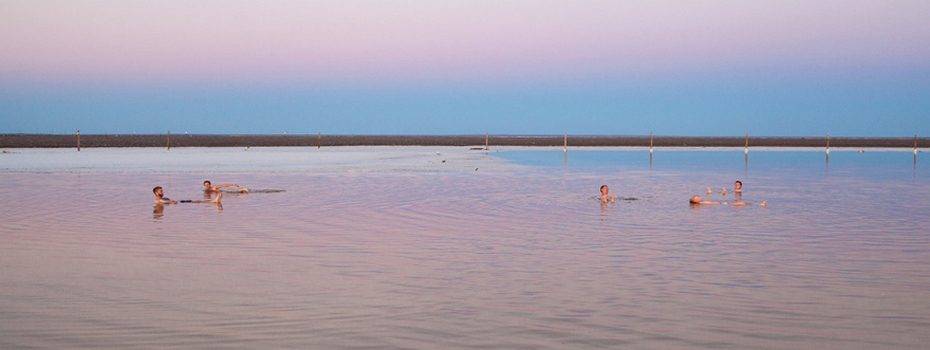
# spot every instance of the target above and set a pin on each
(738, 190)
(160, 196)
(161, 199)
(604, 196)
(208, 187)
(696, 200)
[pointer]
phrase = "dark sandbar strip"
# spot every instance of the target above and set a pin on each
(186, 140)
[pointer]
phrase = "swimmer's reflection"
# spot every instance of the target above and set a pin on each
(159, 211)
(605, 205)
(606, 212)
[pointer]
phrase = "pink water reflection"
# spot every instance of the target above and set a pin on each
(454, 260)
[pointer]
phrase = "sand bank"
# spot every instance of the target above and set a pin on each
(253, 159)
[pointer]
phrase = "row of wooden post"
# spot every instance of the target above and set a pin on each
(745, 151)
(319, 137)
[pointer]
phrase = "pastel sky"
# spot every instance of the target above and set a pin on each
(775, 68)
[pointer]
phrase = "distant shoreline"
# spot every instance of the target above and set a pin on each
(200, 140)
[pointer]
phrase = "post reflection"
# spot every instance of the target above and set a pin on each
(746, 164)
(827, 171)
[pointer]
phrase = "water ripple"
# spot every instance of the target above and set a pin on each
(520, 259)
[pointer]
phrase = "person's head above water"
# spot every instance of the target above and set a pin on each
(738, 184)
(695, 200)
(160, 196)
(604, 189)
(207, 184)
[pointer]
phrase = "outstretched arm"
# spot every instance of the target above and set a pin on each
(224, 186)
(219, 195)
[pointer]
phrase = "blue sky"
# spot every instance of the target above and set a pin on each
(710, 68)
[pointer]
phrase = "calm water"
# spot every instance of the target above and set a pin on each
(508, 259)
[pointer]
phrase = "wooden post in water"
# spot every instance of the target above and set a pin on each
(915, 145)
(566, 143)
(169, 139)
(828, 144)
(747, 144)
(651, 135)
(319, 140)
(486, 141)
(79, 140)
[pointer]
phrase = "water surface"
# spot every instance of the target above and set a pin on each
(516, 258)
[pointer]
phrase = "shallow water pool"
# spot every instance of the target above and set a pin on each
(520, 257)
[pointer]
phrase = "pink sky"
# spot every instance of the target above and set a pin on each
(452, 40)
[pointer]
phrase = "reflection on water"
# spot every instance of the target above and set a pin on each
(515, 259)
(159, 211)
(726, 161)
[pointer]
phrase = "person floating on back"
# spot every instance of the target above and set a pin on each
(208, 187)
(696, 200)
